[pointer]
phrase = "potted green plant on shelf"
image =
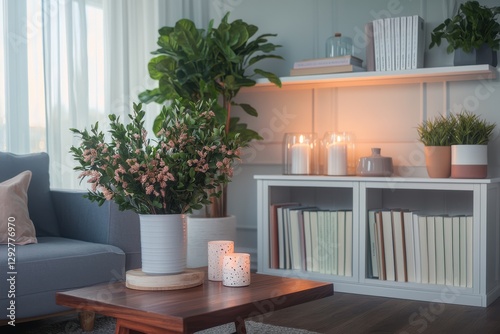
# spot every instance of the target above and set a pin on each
(160, 178)
(473, 33)
(437, 135)
(215, 63)
(469, 150)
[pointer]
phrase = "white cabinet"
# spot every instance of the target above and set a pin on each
(478, 197)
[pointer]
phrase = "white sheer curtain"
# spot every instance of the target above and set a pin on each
(73, 99)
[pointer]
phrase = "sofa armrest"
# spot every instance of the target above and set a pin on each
(81, 219)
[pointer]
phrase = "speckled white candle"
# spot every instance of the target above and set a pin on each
(216, 251)
(236, 269)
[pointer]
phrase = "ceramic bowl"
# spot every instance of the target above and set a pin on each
(375, 165)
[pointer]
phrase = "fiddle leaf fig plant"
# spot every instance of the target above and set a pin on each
(473, 26)
(197, 64)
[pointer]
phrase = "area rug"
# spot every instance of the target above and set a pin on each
(106, 325)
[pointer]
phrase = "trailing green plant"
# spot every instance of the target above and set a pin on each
(216, 63)
(473, 26)
(470, 129)
(437, 131)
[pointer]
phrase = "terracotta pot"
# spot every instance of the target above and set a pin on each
(438, 161)
(469, 161)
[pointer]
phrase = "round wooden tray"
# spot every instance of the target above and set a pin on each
(138, 280)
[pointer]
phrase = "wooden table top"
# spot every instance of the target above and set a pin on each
(197, 308)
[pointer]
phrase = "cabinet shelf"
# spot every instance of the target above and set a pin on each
(476, 197)
(421, 75)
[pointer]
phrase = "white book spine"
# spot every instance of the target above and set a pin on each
(409, 41)
(388, 246)
(448, 250)
(431, 244)
(341, 243)
(388, 44)
(381, 40)
(372, 243)
(470, 228)
(440, 264)
(348, 243)
(463, 251)
(456, 251)
(410, 245)
(397, 43)
(424, 255)
(334, 231)
(418, 40)
(416, 243)
(403, 43)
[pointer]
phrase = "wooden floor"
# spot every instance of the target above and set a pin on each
(355, 314)
(350, 313)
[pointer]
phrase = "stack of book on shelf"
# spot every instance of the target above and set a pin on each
(395, 43)
(406, 246)
(310, 239)
(331, 65)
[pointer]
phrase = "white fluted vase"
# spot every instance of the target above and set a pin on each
(163, 243)
(201, 230)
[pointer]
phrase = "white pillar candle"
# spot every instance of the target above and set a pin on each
(337, 158)
(301, 157)
(216, 251)
(236, 269)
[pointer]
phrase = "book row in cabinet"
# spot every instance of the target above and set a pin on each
(435, 240)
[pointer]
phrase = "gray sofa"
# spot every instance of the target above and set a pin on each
(79, 243)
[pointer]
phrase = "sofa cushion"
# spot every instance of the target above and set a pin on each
(40, 206)
(57, 264)
(16, 226)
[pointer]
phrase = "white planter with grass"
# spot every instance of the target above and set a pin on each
(469, 161)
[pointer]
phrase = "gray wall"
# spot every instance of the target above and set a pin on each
(384, 116)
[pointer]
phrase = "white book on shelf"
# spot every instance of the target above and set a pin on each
(463, 251)
(448, 249)
(334, 238)
(281, 237)
(470, 229)
(307, 240)
(418, 41)
(390, 270)
(440, 262)
(416, 243)
(410, 245)
(424, 249)
(370, 47)
(379, 234)
(399, 245)
(431, 245)
(403, 42)
(322, 242)
(296, 224)
(341, 242)
(456, 250)
(372, 244)
(388, 32)
(328, 242)
(409, 41)
(396, 23)
(348, 243)
(380, 40)
(313, 215)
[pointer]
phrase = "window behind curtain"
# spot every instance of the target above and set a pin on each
(34, 92)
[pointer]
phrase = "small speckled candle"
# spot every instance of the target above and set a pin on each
(236, 269)
(216, 251)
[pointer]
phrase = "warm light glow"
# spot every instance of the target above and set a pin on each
(301, 139)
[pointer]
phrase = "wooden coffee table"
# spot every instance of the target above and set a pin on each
(193, 309)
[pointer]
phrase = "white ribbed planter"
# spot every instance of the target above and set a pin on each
(469, 161)
(163, 243)
(201, 230)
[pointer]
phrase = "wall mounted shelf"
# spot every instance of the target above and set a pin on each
(421, 75)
